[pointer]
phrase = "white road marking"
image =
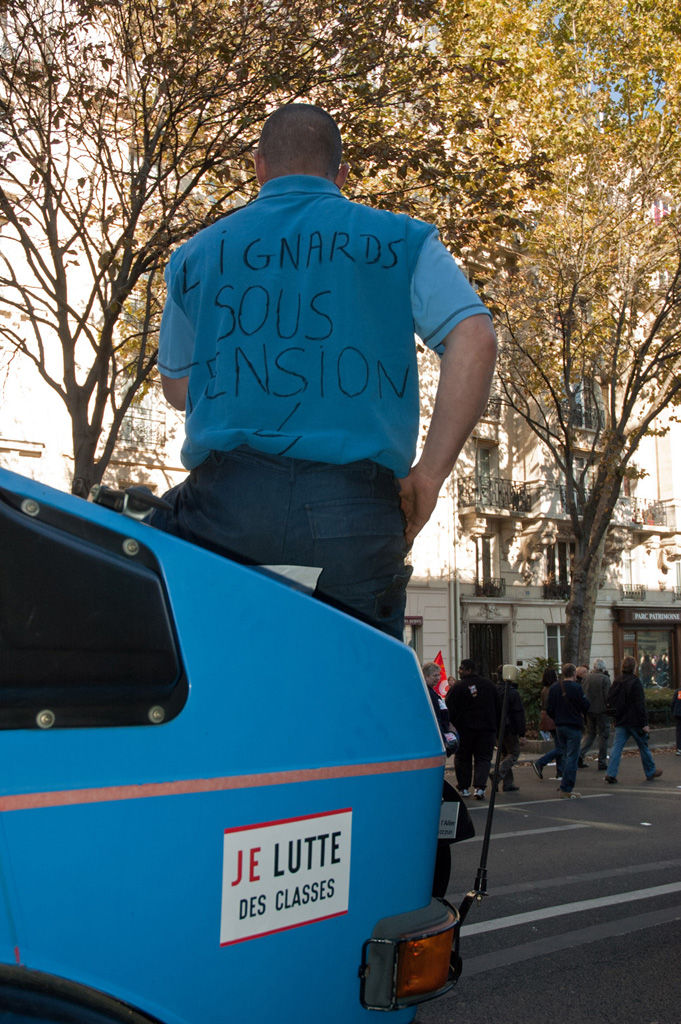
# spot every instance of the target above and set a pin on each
(529, 832)
(571, 908)
(528, 803)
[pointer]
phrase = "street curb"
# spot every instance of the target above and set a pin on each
(657, 738)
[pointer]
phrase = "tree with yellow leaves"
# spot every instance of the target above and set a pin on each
(590, 302)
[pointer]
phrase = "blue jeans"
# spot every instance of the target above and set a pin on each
(553, 755)
(622, 734)
(273, 510)
(568, 741)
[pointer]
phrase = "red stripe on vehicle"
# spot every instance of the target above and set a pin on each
(64, 798)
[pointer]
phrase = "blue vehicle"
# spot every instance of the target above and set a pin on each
(220, 798)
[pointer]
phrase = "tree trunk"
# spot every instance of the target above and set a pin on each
(86, 472)
(586, 578)
(593, 583)
(575, 612)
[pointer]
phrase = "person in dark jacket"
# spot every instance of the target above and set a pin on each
(676, 711)
(475, 710)
(566, 705)
(596, 686)
(514, 729)
(631, 719)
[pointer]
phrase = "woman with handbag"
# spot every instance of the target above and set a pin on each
(546, 724)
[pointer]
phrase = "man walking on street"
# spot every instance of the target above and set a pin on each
(627, 699)
(596, 686)
(288, 340)
(475, 712)
(566, 705)
(514, 729)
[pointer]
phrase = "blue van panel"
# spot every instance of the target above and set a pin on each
(115, 837)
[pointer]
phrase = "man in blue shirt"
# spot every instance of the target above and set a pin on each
(288, 339)
(567, 705)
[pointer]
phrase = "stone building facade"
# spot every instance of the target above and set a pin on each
(491, 572)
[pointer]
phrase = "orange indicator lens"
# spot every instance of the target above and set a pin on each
(423, 964)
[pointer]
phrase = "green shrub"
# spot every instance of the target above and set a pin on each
(658, 698)
(658, 706)
(529, 687)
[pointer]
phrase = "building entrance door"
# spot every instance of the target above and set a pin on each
(485, 643)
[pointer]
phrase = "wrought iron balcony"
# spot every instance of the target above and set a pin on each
(143, 429)
(494, 492)
(585, 417)
(493, 408)
(553, 590)
(648, 513)
(490, 587)
(638, 513)
(633, 591)
(629, 511)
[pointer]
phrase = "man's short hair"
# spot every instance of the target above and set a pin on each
(468, 664)
(568, 670)
(629, 664)
(599, 665)
(300, 138)
(431, 668)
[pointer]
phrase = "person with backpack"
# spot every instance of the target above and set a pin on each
(626, 704)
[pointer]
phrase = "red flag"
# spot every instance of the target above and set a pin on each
(443, 686)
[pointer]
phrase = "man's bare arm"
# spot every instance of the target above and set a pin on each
(175, 391)
(466, 372)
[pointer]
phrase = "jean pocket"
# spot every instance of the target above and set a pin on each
(355, 517)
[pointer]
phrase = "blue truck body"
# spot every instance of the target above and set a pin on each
(225, 855)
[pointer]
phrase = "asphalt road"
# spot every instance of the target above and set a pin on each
(583, 918)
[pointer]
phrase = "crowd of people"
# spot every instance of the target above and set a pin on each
(578, 705)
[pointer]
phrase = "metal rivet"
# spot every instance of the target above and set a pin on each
(30, 507)
(45, 719)
(130, 546)
(156, 714)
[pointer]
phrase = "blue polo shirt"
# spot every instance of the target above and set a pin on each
(294, 319)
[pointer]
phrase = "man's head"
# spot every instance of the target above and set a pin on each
(568, 670)
(629, 664)
(300, 139)
(467, 667)
(582, 671)
(599, 665)
(431, 673)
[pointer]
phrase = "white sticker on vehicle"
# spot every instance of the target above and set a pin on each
(449, 817)
(283, 874)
